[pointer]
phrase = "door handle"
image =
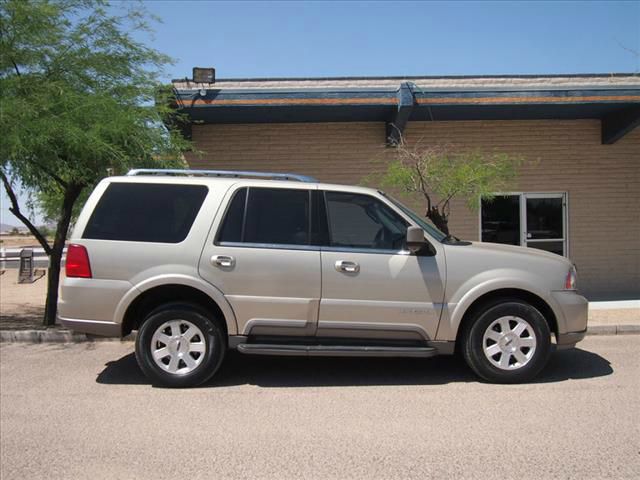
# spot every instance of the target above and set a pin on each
(347, 267)
(223, 261)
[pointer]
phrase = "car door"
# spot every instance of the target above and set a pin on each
(262, 260)
(371, 286)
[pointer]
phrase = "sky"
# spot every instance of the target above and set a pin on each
(333, 38)
(302, 39)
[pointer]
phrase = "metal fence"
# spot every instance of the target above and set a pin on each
(10, 257)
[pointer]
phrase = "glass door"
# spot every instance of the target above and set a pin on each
(545, 226)
(535, 220)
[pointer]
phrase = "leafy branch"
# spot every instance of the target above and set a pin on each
(439, 173)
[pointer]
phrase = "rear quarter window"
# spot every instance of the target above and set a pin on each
(145, 212)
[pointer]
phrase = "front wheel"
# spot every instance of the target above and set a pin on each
(507, 342)
(178, 346)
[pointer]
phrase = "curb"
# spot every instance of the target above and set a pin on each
(55, 336)
(614, 330)
(67, 336)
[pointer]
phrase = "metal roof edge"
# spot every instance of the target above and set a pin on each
(418, 77)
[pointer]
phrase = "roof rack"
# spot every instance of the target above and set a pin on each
(222, 173)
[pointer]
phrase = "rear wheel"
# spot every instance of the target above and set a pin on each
(507, 342)
(178, 346)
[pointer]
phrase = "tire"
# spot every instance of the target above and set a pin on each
(179, 346)
(507, 342)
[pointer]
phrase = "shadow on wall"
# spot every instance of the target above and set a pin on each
(239, 369)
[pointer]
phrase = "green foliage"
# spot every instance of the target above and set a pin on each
(440, 173)
(77, 94)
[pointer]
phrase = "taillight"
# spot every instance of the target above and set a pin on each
(77, 262)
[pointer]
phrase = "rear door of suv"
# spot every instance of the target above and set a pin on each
(262, 256)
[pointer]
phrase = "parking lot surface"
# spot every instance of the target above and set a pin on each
(86, 411)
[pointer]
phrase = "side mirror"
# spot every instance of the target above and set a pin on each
(415, 239)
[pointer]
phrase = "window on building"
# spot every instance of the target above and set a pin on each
(535, 220)
(145, 212)
(501, 220)
(362, 221)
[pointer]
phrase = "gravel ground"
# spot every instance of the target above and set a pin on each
(86, 411)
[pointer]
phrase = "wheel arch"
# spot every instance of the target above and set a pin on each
(149, 296)
(493, 296)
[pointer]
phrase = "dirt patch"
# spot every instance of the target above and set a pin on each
(21, 304)
(19, 241)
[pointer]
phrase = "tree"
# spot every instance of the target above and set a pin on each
(79, 95)
(439, 173)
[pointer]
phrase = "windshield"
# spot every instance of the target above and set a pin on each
(422, 222)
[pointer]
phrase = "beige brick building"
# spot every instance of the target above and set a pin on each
(578, 194)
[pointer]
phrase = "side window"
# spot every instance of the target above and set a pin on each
(362, 221)
(273, 215)
(231, 230)
(277, 215)
(145, 212)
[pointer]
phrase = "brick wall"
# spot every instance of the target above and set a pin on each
(602, 181)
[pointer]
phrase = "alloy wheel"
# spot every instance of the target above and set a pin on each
(509, 343)
(178, 347)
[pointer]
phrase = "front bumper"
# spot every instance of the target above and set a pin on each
(569, 340)
(575, 310)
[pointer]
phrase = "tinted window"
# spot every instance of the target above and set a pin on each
(277, 215)
(319, 229)
(145, 212)
(501, 220)
(544, 218)
(361, 221)
(231, 230)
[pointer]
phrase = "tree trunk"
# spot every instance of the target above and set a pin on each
(439, 220)
(71, 194)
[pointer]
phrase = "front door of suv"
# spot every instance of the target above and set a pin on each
(262, 259)
(371, 286)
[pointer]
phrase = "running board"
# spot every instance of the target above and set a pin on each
(335, 350)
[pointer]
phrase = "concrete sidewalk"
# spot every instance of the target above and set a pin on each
(22, 309)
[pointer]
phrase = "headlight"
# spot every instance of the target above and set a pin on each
(571, 281)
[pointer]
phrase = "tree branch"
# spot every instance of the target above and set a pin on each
(446, 200)
(16, 67)
(423, 187)
(15, 209)
(58, 179)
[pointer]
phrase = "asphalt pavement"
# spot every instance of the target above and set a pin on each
(86, 411)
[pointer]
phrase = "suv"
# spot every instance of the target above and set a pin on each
(202, 261)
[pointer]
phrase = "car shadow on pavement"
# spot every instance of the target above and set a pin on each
(239, 369)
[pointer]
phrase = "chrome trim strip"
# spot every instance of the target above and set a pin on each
(92, 327)
(272, 246)
(364, 250)
(313, 248)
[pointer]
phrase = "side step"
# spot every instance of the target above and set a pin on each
(335, 350)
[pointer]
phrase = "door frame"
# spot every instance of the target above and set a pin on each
(522, 199)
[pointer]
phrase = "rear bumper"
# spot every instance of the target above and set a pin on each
(92, 327)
